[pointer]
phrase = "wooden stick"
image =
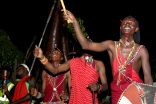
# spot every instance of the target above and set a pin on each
(64, 8)
(49, 17)
(4, 82)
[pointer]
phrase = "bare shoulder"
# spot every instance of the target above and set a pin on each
(110, 45)
(68, 73)
(143, 50)
(110, 42)
(99, 63)
(43, 72)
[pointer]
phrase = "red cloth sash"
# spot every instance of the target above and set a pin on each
(82, 75)
(49, 87)
(21, 90)
(130, 74)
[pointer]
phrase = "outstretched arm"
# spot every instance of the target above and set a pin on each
(146, 66)
(98, 47)
(55, 70)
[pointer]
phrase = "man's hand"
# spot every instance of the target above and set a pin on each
(64, 96)
(5, 88)
(69, 16)
(93, 86)
(38, 52)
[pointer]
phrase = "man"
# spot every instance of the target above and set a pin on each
(54, 86)
(5, 79)
(127, 56)
(24, 84)
(85, 72)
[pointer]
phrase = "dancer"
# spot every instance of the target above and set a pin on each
(85, 72)
(127, 56)
(54, 87)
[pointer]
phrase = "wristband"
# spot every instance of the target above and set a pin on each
(99, 87)
(43, 60)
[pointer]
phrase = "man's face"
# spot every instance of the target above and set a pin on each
(128, 26)
(56, 55)
(20, 70)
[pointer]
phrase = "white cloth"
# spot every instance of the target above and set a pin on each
(26, 68)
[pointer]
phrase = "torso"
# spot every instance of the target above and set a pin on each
(125, 52)
(54, 82)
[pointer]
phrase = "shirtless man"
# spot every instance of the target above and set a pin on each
(127, 56)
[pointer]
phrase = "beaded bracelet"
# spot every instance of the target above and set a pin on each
(99, 87)
(43, 60)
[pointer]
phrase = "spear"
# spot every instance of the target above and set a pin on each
(49, 17)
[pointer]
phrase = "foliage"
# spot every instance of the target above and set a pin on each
(106, 99)
(8, 51)
(153, 67)
(70, 28)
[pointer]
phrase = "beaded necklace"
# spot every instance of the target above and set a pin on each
(123, 66)
(89, 59)
(52, 81)
(126, 43)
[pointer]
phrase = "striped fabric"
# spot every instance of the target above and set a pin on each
(82, 75)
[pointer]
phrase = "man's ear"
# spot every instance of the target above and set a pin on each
(136, 29)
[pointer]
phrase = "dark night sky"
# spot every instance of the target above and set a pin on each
(24, 19)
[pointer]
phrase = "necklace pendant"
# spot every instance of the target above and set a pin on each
(54, 89)
(127, 43)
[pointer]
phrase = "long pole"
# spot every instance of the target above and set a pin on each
(49, 17)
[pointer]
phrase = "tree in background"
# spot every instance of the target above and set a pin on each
(9, 53)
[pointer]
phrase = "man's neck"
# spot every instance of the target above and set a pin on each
(56, 63)
(127, 41)
(126, 37)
